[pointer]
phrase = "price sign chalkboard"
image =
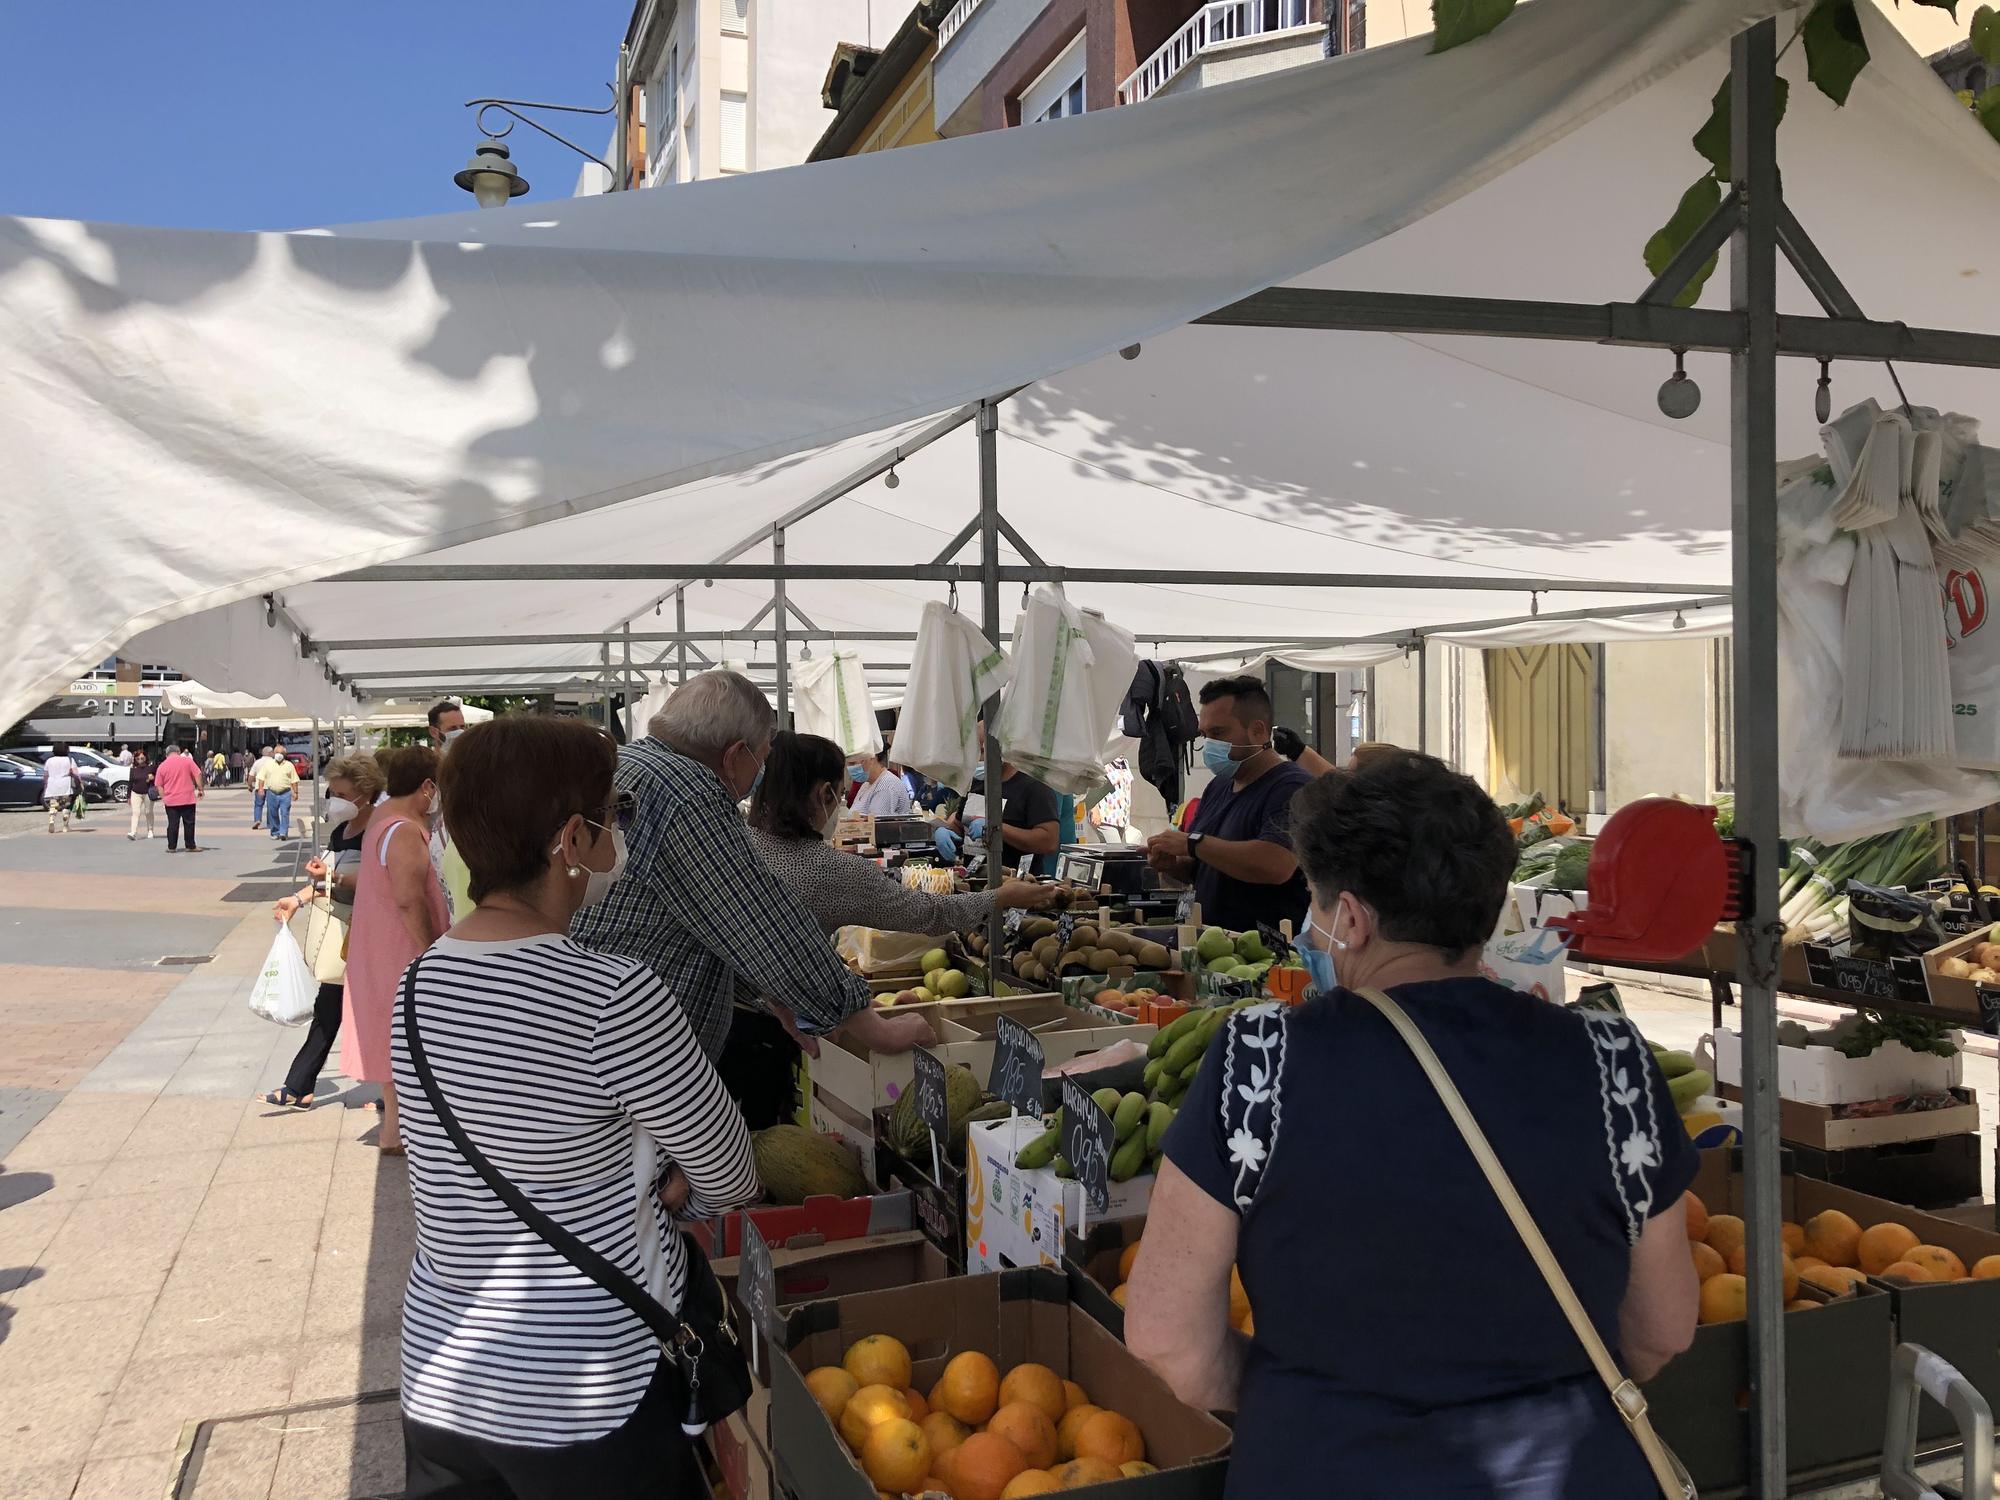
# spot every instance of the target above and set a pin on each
(933, 1104)
(1087, 1140)
(1989, 1008)
(757, 1289)
(1017, 1066)
(1011, 923)
(1065, 930)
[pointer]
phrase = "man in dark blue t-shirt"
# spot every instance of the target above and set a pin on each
(1238, 855)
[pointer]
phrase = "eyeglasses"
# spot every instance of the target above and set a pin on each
(622, 807)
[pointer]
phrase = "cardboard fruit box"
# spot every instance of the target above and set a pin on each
(1092, 1265)
(817, 1221)
(1960, 996)
(1836, 1366)
(1013, 1317)
(1826, 1075)
(1017, 1216)
(1836, 1127)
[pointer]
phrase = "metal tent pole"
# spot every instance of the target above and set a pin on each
(779, 612)
(606, 685)
(1423, 695)
(1600, 775)
(680, 629)
(632, 694)
(312, 832)
(988, 425)
(1753, 524)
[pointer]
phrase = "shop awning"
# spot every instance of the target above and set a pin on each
(659, 376)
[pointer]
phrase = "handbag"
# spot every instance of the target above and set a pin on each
(1668, 1471)
(327, 959)
(700, 1342)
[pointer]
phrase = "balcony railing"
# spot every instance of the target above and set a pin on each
(954, 18)
(1212, 25)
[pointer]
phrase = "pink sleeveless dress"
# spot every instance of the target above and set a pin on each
(379, 948)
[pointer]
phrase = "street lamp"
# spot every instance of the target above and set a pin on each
(491, 175)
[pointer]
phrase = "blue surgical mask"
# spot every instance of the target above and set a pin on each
(1318, 961)
(856, 775)
(1217, 756)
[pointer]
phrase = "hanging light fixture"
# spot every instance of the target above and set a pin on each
(491, 175)
(890, 479)
(1679, 395)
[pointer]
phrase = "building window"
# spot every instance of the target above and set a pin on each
(736, 17)
(663, 110)
(734, 153)
(1346, 26)
(1058, 93)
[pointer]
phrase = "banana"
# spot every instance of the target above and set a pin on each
(1158, 1117)
(1128, 1159)
(1172, 1032)
(1187, 1074)
(1062, 1166)
(1039, 1152)
(1108, 1100)
(1183, 1052)
(1689, 1087)
(1674, 1064)
(1130, 1111)
(1151, 1077)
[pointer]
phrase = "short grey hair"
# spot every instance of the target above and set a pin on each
(712, 711)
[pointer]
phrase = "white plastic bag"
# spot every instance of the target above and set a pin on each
(954, 669)
(285, 990)
(830, 699)
(1072, 670)
(1532, 962)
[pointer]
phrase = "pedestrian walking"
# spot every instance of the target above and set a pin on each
(352, 784)
(62, 786)
(124, 755)
(236, 759)
(218, 770)
(279, 779)
(257, 785)
(179, 783)
(144, 795)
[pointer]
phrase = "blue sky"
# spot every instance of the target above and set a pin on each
(222, 114)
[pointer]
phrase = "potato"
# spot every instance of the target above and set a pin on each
(1954, 968)
(1985, 955)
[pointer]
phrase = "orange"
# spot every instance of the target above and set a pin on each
(1118, 1293)
(1882, 1245)
(1074, 1418)
(1111, 1437)
(1986, 1268)
(1724, 1298)
(1137, 1467)
(1833, 1237)
(931, 1396)
(1795, 1237)
(896, 1456)
(870, 1405)
(1697, 1217)
(1037, 1385)
(1839, 1280)
(832, 1387)
(1706, 1262)
(919, 1408)
(982, 1465)
(1029, 1429)
(1239, 1300)
(1940, 1262)
(1030, 1482)
(969, 1388)
(1806, 1262)
(1738, 1261)
(878, 1360)
(1125, 1259)
(1725, 1233)
(1074, 1396)
(1079, 1472)
(943, 1432)
(1248, 1327)
(1904, 1270)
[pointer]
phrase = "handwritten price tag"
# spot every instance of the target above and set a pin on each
(933, 1104)
(1088, 1137)
(1016, 1079)
(757, 1288)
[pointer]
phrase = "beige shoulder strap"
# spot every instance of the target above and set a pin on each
(1625, 1395)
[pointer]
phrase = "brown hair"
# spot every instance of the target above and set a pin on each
(362, 772)
(409, 768)
(511, 783)
(1368, 752)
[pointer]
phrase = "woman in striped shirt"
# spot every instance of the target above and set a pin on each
(577, 1076)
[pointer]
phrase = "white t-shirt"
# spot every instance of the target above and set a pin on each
(884, 797)
(61, 773)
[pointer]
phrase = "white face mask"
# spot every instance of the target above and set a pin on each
(339, 809)
(830, 829)
(600, 882)
(450, 735)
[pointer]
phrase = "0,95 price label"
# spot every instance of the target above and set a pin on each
(756, 1285)
(1016, 1079)
(1087, 1138)
(933, 1106)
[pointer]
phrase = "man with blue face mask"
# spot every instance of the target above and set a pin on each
(1238, 853)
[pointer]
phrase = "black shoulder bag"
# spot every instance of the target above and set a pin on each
(700, 1341)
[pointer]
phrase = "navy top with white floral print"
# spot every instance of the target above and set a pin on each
(1405, 1343)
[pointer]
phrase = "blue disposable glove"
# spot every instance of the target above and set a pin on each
(976, 830)
(946, 843)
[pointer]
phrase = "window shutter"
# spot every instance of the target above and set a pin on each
(736, 17)
(735, 142)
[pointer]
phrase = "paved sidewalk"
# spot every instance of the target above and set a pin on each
(173, 1251)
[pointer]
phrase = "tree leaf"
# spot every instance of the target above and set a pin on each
(1460, 21)
(1712, 140)
(1987, 107)
(1949, 7)
(1835, 49)
(1696, 204)
(1986, 35)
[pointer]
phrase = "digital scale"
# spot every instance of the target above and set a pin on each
(1108, 869)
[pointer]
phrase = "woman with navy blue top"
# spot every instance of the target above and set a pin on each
(1405, 1343)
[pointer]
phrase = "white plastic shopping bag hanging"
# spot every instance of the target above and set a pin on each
(954, 669)
(1531, 962)
(285, 989)
(1072, 669)
(830, 698)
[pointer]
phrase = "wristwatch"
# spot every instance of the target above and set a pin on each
(1194, 846)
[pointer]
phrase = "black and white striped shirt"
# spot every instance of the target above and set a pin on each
(577, 1075)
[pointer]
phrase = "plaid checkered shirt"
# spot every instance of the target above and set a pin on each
(697, 906)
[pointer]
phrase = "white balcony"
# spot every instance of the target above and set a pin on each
(1226, 25)
(954, 18)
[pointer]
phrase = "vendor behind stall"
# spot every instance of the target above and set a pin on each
(1030, 814)
(1237, 853)
(793, 813)
(881, 792)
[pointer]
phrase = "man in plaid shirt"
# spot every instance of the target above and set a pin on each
(697, 906)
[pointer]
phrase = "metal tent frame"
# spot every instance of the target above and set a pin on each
(1756, 226)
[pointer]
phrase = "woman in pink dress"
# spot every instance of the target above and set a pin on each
(399, 911)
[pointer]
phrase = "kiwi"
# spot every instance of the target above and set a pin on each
(1116, 941)
(1085, 936)
(1151, 956)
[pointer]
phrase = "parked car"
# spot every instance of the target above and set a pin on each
(21, 782)
(103, 780)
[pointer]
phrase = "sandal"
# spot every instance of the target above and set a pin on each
(286, 1099)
